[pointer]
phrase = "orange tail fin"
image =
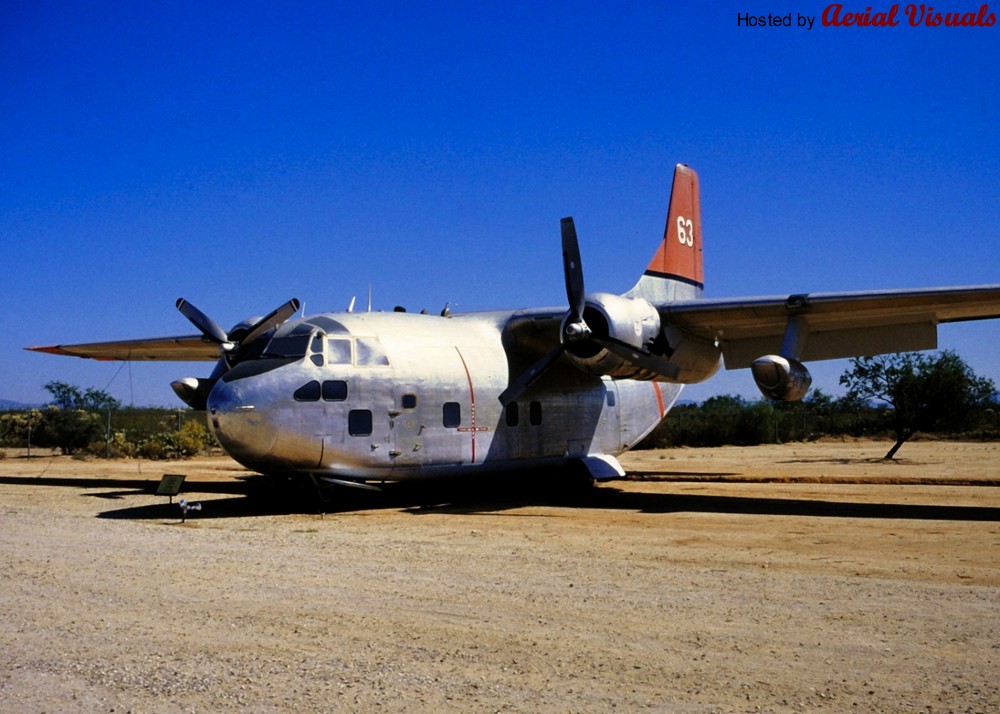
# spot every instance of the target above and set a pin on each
(675, 272)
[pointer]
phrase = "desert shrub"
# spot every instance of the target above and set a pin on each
(153, 448)
(15, 425)
(118, 447)
(191, 439)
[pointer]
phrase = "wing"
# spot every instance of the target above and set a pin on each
(837, 325)
(184, 348)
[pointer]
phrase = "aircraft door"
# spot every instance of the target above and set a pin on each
(408, 424)
(436, 418)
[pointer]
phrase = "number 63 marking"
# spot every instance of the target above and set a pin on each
(685, 230)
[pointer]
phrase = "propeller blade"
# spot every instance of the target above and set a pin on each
(639, 357)
(530, 376)
(275, 318)
(575, 327)
(573, 270)
(208, 327)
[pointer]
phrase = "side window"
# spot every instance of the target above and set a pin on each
(535, 413)
(611, 398)
(316, 348)
(334, 390)
(511, 414)
(408, 401)
(308, 392)
(452, 414)
(359, 422)
(370, 353)
(338, 350)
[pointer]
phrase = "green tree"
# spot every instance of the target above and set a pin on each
(926, 393)
(69, 396)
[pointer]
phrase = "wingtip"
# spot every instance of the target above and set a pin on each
(59, 350)
(51, 349)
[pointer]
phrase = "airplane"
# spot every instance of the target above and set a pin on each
(367, 398)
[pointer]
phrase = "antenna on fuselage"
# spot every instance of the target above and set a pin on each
(350, 308)
(369, 297)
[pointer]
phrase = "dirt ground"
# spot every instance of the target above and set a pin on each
(774, 578)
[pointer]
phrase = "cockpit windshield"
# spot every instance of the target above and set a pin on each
(287, 346)
(298, 340)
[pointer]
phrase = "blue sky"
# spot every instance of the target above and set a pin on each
(239, 154)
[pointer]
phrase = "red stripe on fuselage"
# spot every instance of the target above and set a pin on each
(659, 398)
(472, 399)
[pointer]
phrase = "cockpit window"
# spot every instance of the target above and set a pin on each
(303, 328)
(290, 346)
(317, 350)
(338, 350)
(371, 353)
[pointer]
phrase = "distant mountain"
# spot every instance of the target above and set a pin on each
(8, 405)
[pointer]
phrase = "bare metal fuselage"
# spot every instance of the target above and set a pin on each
(396, 396)
(353, 397)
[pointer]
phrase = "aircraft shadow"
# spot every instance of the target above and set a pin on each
(123, 486)
(608, 497)
(257, 496)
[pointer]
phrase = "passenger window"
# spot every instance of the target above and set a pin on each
(370, 353)
(409, 401)
(452, 415)
(334, 390)
(308, 392)
(359, 422)
(511, 414)
(338, 350)
(535, 413)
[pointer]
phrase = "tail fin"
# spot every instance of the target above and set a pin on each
(675, 272)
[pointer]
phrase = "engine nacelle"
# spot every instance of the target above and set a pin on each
(634, 322)
(781, 378)
(677, 356)
(193, 391)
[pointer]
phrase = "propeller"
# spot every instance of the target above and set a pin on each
(211, 330)
(576, 295)
(194, 391)
(208, 327)
(272, 319)
(575, 329)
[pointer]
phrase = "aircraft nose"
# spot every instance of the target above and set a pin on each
(238, 415)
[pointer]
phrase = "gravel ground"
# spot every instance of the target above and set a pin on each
(789, 578)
